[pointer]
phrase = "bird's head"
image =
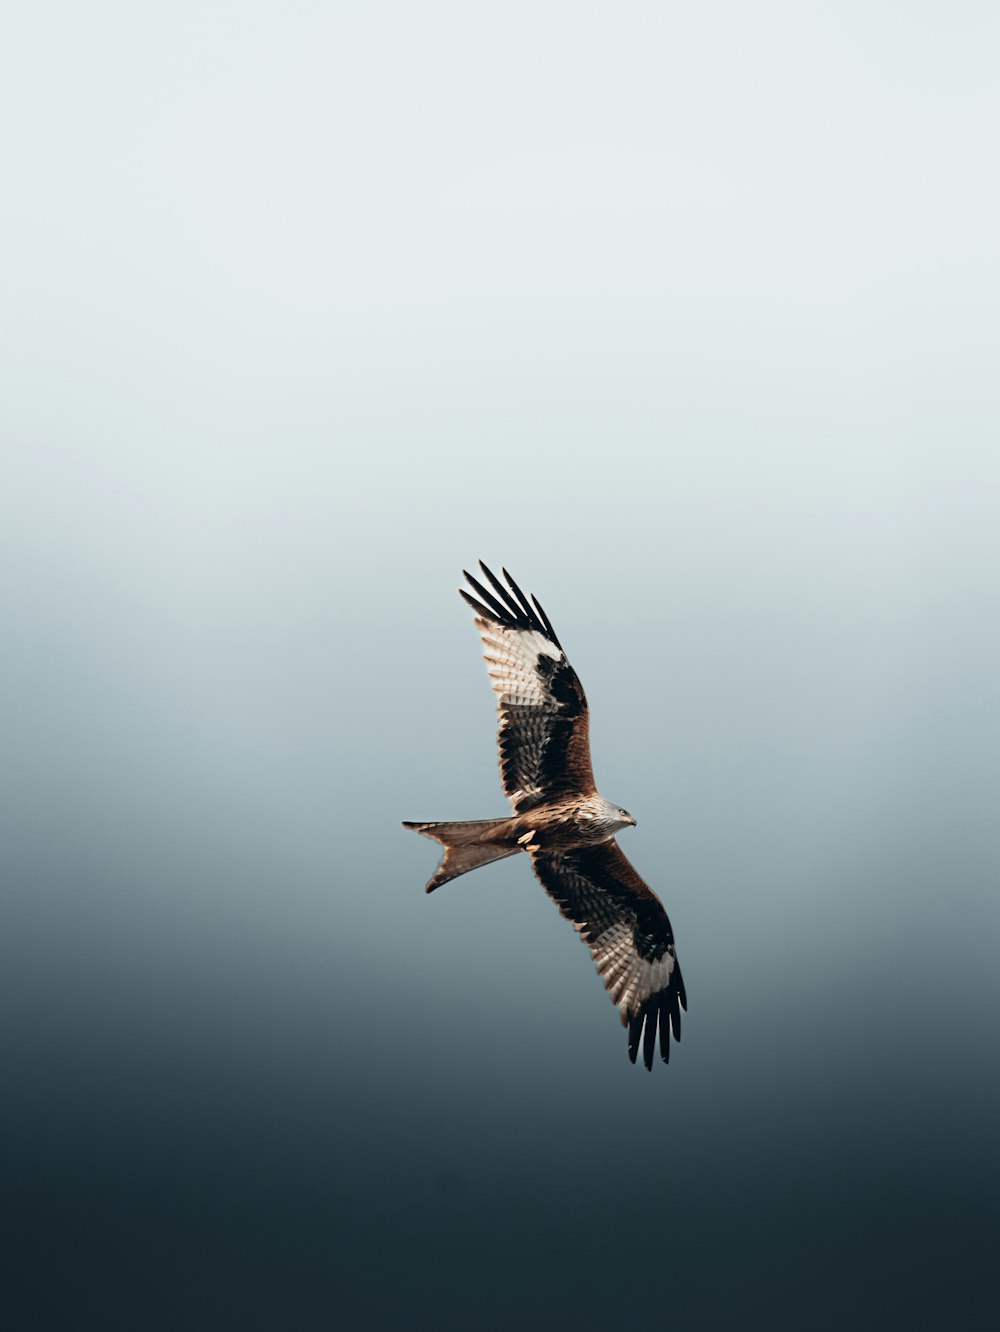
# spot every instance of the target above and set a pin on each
(615, 818)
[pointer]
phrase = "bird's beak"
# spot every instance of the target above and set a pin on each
(633, 822)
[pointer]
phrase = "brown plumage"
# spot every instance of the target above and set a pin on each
(559, 818)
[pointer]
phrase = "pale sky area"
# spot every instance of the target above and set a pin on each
(688, 315)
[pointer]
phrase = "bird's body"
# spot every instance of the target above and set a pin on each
(561, 825)
(561, 821)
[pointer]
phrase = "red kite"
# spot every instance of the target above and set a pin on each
(561, 821)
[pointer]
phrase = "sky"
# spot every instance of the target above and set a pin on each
(689, 317)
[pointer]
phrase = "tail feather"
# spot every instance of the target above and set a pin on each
(466, 846)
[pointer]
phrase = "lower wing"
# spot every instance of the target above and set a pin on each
(625, 927)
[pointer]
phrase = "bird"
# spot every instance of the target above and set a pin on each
(560, 820)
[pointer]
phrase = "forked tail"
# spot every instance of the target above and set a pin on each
(467, 845)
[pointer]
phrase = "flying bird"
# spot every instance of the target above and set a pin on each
(561, 821)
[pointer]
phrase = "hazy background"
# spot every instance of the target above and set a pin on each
(688, 315)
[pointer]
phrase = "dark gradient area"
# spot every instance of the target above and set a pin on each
(255, 1077)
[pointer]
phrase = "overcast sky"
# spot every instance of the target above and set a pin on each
(688, 314)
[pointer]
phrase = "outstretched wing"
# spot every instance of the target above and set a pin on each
(544, 736)
(627, 931)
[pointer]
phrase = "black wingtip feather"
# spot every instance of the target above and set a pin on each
(649, 1040)
(476, 606)
(488, 597)
(522, 599)
(659, 1016)
(634, 1032)
(664, 1035)
(509, 607)
(545, 620)
(512, 607)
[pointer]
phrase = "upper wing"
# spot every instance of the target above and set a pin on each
(544, 736)
(629, 936)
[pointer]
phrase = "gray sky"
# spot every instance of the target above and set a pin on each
(686, 314)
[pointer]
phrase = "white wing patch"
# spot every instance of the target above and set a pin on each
(512, 665)
(511, 660)
(630, 980)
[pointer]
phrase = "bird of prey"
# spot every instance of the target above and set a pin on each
(560, 820)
